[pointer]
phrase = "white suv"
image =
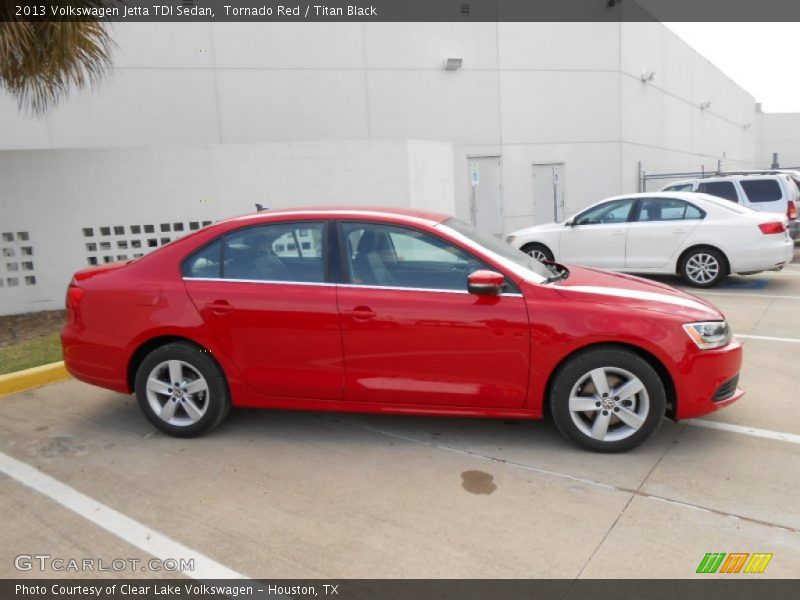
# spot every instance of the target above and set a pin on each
(776, 193)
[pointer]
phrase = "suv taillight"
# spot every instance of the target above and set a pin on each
(791, 210)
(772, 227)
(74, 296)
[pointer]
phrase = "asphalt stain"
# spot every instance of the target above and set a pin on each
(61, 445)
(478, 482)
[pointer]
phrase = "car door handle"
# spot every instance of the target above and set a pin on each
(618, 232)
(220, 307)
(679, 230)
(361, 313)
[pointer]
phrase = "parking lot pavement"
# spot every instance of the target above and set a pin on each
(36, 525)
(283, 494)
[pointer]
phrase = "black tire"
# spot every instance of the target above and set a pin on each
(535, 247)
(691, 270)
(646, 408)
(208, 408)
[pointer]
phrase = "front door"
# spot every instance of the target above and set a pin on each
(262, 291)
(596, 237)
(414, 335)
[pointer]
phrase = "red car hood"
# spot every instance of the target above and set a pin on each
(593, 286)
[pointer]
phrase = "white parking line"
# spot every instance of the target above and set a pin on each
(125, 528)
(767, 434)
(739, 294)
(767, 338)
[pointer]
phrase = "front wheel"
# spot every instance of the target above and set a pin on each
(703, 267)
(181, 390)
(538, 251)
(607, 399)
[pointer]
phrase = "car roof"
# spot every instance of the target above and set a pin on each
(734, 177)
(345, 212)
(688, 196)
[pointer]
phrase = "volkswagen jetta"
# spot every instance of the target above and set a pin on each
(393, 311)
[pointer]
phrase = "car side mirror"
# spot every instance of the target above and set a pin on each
(485, 283)
(569, 223)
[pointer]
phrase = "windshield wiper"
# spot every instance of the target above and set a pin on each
(561, 273)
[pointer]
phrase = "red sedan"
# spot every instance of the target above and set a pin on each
(393, 311)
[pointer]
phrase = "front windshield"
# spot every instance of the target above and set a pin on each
(500, 248)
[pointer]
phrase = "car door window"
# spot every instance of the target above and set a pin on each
(721, 189)
(667, 209)
(762, 190)
(681, 187)
(393, 256)
(288, 252)
(616, 211)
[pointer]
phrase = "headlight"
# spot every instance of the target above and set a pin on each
(510, 238)
(709, 334)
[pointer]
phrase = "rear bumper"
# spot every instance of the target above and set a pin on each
(707, 381)
(754, 259)
(94, 359)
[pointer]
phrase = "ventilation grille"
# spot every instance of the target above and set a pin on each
(17, 266)
(110, 243)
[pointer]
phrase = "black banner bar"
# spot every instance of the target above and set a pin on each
(399, 10)
(733, 587)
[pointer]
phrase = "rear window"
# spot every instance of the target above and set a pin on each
(721, 189)
(762, 190)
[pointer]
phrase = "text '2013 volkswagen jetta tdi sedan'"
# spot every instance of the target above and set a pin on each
(393, 311)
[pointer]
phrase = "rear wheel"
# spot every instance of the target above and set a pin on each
(181, 390)
(607, 399)
(703, 267)
(538, 251)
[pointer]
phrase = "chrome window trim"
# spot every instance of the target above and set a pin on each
(346, 285)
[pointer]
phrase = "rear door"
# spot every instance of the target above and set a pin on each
(264, 294)
(764, 195)
(597, 236)
(658, 231)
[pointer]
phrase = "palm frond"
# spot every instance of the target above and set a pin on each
(41, 61)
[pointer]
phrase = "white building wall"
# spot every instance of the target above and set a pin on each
(781, 134)
(52, 196)
(527, 92)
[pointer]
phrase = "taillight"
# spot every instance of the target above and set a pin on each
(772, 227)
(74, 296)
(791, 210)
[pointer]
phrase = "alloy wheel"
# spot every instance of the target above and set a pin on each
(537, 254)
(609, 404)
(702, 268)
(177, 393)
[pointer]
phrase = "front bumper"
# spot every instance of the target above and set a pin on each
(703, 375)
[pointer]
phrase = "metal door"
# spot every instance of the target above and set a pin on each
(548, 192)
(485, 203)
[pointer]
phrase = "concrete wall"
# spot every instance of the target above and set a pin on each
(52, 197)
(781, 134)
(538, 92)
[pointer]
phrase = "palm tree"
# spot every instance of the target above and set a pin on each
(42, 61)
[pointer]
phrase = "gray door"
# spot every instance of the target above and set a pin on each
(548, 192)
(486, 207)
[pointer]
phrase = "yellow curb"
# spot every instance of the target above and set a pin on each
(27, 379)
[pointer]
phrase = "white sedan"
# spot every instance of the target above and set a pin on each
(701, 237)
